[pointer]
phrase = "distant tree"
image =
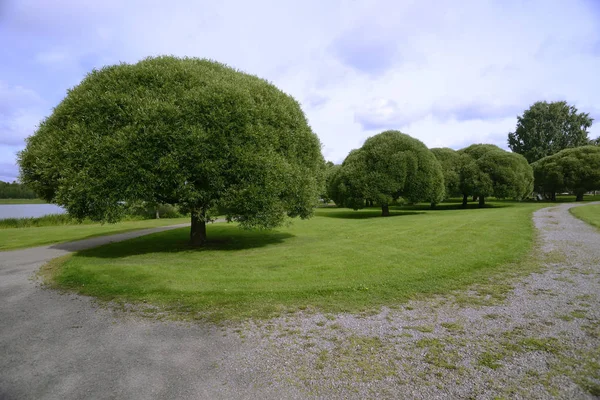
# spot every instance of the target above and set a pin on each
(487, 170)
(330, 172)
(388, 166)
(15, 190)
(547, 128)
(450, 160)
(188, 132)
(595, 142)
(576, 170)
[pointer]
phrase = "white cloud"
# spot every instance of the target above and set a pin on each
(447, 73)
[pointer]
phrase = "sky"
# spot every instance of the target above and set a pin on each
(449, 73)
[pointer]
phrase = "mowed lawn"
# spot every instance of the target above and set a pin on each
(340, 260)
(589, 214)
(18, 238)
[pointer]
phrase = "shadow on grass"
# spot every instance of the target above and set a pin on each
(365, 213)
(220, 238)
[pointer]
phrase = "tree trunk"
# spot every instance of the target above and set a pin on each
(370, 203)
(481, 201)
(198, 229)
(432, 205)
(553, 196)
(385, 210)
(579, 196)
(474, 198)
(156, 213)
(465, 200)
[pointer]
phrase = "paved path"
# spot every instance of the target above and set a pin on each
(62, 346)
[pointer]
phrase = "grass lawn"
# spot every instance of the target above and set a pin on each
(22, 201)
(17, 238)
(340, 260)
(589, 214)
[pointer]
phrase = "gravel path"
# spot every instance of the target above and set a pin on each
(538, 338)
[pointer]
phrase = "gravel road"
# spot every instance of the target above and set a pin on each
(536, 338)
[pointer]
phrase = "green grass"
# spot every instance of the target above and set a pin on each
(17, 238)
(340, 260)
(589, 214)
(22, 201)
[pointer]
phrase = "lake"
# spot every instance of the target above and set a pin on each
(28, 210)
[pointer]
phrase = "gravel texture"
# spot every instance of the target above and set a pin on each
(537, 338)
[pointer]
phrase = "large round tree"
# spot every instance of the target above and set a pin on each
(487, 170)
(388, 166)
(576, 170)
(191, 132)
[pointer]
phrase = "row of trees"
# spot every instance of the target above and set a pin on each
(554, 139)
(393, 165)
(15, 190)
(216, 141)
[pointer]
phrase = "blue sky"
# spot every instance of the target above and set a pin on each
(449, 73)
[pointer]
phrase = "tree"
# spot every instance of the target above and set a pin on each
(450, 160)
(189, 132)
(388, 166)
(15, 190)
(330, 173)
(487, 170)
(576, 170)
(546, 128)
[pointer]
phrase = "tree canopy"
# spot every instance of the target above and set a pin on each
(487, 170)
(547, 128)
(388, 166)
(575, 170)
(450, 160)
(191, 132)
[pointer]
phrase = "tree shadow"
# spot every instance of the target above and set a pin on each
(455, 206)
(220, 238)
(366, 214)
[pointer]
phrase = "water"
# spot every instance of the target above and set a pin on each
(28, 210)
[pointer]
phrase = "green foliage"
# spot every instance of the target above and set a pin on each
(46, 220)
(546, 128)
(148, 211)
(331, 171)
(190, 132)
(450, 161)
(575, 170)
(15, 190)
(388, 166)
(487, 170)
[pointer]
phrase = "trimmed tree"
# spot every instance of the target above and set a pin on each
(487, 170)
(547, 128)
(388, 166)
(450, 160)
(576, 170)
(190, 132)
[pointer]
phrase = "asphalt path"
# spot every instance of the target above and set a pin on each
(64, 346)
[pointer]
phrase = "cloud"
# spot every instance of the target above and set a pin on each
(8, 172)
(448, 74)
(365, 52)
(21, 109)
